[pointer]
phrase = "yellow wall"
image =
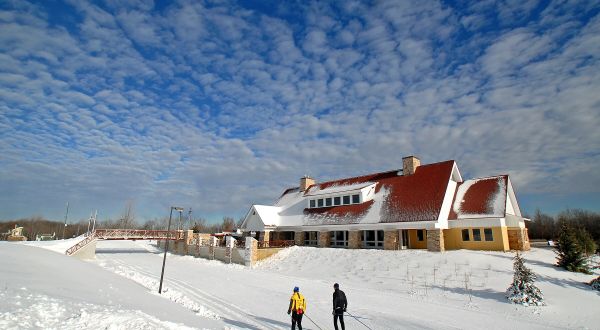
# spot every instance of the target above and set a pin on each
(265, 253)
(413, 240)
(453, 240)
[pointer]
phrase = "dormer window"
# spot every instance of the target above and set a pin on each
(346, 200)
(340, 195)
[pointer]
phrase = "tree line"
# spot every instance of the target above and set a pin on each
(586, 225)
(37, 225)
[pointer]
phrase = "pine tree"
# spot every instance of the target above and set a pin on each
(522, 290)
(570, 254)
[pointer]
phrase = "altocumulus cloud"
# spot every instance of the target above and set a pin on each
(216, 106)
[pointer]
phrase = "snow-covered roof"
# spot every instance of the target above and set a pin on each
(268, 214)
(316, 190)
(480, 198)
(395, 198)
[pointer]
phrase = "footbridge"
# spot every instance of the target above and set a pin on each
(89, 242)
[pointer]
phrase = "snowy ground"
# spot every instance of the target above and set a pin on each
(386, 290)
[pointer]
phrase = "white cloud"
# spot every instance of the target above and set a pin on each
(218, 107)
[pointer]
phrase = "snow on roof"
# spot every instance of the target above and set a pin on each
(397, 198)
(480, 198)
(268, 214)
(316, 190)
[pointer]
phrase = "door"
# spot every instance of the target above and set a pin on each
(403, 239)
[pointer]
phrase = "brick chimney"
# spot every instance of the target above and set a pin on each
(410, 164)
(305, 182)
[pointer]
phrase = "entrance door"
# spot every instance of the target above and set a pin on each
(403, 239)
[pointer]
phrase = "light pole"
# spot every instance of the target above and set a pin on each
(66, 215)
(162, 273)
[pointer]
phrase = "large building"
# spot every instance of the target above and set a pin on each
(417, 207)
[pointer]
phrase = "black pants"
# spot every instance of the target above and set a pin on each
(296, 318)
(335, 317)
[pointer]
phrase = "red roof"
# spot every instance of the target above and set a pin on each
(485, 197)
(416, 197)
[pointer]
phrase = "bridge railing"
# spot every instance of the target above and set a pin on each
(80, 244)
(125, 234)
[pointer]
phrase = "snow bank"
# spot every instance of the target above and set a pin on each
(42, 289)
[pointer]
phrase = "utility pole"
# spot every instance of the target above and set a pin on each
(162, 272)
(66, 215)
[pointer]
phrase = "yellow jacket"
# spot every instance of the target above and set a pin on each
(297, 301)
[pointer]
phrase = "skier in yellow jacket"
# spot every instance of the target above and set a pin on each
(297, 308)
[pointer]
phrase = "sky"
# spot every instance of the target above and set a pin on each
(216, 106)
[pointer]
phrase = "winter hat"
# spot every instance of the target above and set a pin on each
(296, 289)
(336, 286)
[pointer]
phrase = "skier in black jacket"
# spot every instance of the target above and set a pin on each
(339, 306)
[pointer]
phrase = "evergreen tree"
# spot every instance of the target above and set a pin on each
(586, 241)
(595, 283)
(570, 254)
(522, 290)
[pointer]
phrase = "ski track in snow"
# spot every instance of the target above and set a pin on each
(150, 282)
(224, 310)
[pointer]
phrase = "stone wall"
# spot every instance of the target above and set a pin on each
(518, 239)
(354, 239)
(391, 240)
(299, 238)
(324, 239)
(435, 240)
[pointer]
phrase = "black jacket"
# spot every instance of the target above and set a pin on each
(339, 302)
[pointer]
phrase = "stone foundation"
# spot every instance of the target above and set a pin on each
(435, 240)
(299, 238)
(391, 240)
(324, 239)
(518, 239)
(354, 239)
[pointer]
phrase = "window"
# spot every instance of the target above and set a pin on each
(320, 203)
(355, 199)
(488, 234)
(372, 239)
(465, 235)
(311, 238)
(476, 234)
(420, 235)
(328, 201)
(313, 203)
(339, 238)
(337, 200)
(346, 200)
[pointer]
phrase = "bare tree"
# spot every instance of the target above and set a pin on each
(228, 224)
(127, 219)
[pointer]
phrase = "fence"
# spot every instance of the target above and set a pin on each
(243, 252)
(276, 244)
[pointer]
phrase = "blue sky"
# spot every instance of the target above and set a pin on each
(220, 105)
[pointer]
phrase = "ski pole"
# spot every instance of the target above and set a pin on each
(313, 322)
(359, 321)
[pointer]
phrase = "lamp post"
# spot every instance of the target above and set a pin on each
(162, 273)
(66, 215)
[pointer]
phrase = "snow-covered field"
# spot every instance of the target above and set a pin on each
(386, 290)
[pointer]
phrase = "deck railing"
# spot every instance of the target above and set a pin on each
(276, 244)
